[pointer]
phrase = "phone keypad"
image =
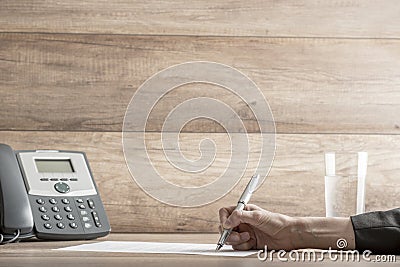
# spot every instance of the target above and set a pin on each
(67, 215)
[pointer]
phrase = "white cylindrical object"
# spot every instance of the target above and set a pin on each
(361, 177)
(330, 164)
(331, 196)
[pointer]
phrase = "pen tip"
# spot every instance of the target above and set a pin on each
(219, 246)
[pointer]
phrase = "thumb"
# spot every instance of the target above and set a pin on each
(254, 217)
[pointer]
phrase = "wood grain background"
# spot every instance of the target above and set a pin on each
(329, 69)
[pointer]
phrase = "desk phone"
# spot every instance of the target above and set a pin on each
(49, 194)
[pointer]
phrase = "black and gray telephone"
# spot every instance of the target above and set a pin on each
(49, 194)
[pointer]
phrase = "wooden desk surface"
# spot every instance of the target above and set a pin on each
(40, 253)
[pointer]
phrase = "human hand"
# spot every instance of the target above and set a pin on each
(254, 227)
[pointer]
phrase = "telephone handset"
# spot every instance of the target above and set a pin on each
(49, 194)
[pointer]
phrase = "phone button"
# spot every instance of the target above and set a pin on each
(73, 225)
(40, 201)
(79, 200)
(88, 225)
(58, 217)
(60, 225)
(42, 209)
(55, 209)
(48, 226)
(45, 217)
(65, 201)
(52, 201)
(96, 219)
(70, 217)
(82, 207)
(90, 203)
(68, 209)
(61, 187)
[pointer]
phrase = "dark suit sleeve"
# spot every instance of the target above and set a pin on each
(378, 231)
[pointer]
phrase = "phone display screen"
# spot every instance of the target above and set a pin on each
(50, 165)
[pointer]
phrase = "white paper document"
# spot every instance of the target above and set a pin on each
(155, 247)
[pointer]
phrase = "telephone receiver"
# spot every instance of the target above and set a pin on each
(15, 210)
(48, 194)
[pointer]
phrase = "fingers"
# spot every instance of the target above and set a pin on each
(225, 212)
(252, 207)
(245, 246)
(241, 241)
(236, 238)
(253, 217)
(240, 238)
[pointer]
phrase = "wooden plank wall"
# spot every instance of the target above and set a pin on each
(329, 69)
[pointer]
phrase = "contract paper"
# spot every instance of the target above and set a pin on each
(160, 248)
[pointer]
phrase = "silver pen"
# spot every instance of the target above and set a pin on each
(243, 200)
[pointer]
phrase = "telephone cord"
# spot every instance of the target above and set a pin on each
(2, 242)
